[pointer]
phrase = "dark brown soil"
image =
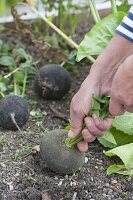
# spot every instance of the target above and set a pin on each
(23, 176)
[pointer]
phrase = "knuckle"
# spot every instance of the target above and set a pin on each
(129, 102)
(114, 95)
(98, 123)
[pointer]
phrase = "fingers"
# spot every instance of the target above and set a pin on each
(78, 110)
(88, 137)
(92, 127)
(82, 146)
(103, 125)
(115, 108)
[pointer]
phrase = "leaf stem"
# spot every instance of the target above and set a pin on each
(93, 11)
(96, 10)
(15, 87)
(24, 85)
(103, 113)
(113, 5)
(70, 142)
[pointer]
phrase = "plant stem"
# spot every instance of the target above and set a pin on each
(11, 73)
(113, 5)
(96, 11)
(93, 11)
(70, 142)
(24, 85)
(69, 40)
(60, 14)
(15, 87)
(103, 113)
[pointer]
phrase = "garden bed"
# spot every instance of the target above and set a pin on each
(23, 174)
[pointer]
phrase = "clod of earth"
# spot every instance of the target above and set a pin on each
(58, 157)
(52, 82)
(13, 107)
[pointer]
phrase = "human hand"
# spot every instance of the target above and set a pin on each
(122, 89)
(98, 82)
(80, 105)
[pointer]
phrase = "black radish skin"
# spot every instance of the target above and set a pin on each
(58, 157)
(16, 106)
(52, 82)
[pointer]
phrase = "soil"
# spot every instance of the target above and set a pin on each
(23, 175)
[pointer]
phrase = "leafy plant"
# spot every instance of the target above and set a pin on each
(16, 68)
(64, 9)
(101, 33)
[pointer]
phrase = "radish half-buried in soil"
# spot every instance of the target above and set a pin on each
(52, 82)
(13, 107)
(58, 157)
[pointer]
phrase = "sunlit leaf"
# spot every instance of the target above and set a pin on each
(99, 36)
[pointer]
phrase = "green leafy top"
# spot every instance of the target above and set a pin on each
(99, 36)
(124, 123)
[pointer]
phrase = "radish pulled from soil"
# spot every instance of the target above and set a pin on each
(57, 156)
(13, 109)
(52, 82)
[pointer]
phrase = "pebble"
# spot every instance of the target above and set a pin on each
(113, 182)
(86, 159)
(60, 183)
(3, 165)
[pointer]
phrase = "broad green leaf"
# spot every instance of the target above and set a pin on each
(124, 123)
(107, 140)
(119, 169)
(99, 36)
(7, 61)
(125, 153)
(113, 138)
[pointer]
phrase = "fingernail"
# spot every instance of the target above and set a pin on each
(71, 134)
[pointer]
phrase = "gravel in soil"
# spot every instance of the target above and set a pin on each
(23, 175)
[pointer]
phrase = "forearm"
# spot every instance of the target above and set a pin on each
(114, 54)
(120, 47)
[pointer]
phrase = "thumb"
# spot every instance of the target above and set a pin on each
(76, 125)
(115, 108)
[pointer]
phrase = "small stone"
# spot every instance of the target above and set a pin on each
(60, 183)
(104, 195)
(107, 184)
(86, 159)
(3, 165)
(113, 182)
